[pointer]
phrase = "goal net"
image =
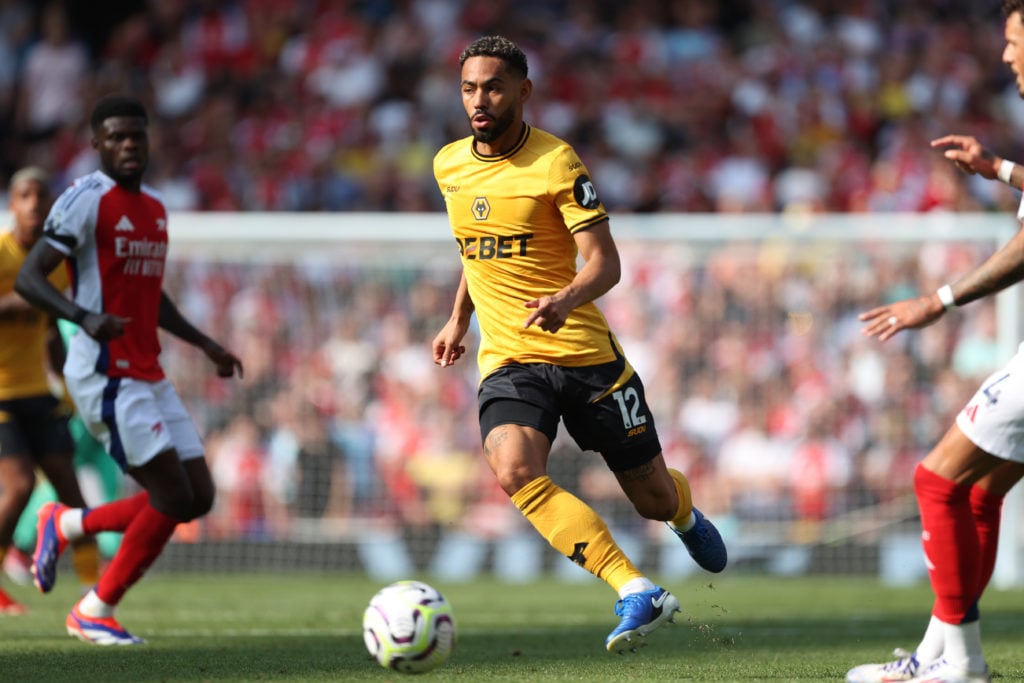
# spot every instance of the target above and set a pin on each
(345, 447)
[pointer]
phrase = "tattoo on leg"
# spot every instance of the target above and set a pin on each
(636, 474)
(497, 436)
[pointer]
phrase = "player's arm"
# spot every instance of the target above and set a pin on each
(56, 352)
(447, 345)
(600, 272)
(34, 285)
(1000, 270)
(171, 319)
(12, 301)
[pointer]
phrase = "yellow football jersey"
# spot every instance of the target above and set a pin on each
(22, 333)
(513, 216)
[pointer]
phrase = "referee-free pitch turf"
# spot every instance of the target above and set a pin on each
(307, 627)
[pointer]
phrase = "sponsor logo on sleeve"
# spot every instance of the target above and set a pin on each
(585, 193)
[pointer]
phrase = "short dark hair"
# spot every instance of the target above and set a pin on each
(1011, 6)
(116, 105)
(500, 47)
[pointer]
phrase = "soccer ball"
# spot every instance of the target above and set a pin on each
(409, 627)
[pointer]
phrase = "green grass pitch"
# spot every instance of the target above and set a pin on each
(307, 627)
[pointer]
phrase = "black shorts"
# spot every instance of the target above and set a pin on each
(602, 412)
(34, 426)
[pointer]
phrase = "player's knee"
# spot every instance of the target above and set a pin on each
(18, 487)
(176, 504)
(202, 503)
(513, 479)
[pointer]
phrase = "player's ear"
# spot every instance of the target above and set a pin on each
(525, 89)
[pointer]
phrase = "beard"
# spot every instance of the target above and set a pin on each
(501, 124)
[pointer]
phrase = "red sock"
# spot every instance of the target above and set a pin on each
(113, 516)
(950, 542)
(143, 541)
(987, 509)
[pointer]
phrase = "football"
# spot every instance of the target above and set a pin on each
(409, 627)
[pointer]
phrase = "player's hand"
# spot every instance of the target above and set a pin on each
(910, 314)
(549, 313)
(968, 155)
(104, 326)
(67, 404)
(227, 363)
(447, 345)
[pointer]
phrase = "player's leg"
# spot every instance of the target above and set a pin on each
(951, 647)
(517, 455)
(663, 494)
(119, 414)
(519, 420)
(618, 423)
(168, 503)
(943, 484)
(91, 460)
(141, 429)
(959, 487)
(53, 440)
(607, 412)
(17, 479)
(987, 497)
(180, 488)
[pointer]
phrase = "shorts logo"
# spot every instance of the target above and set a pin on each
(157, 428)
(481, 208)
(585, 193)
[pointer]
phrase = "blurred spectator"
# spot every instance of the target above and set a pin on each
(53, 78)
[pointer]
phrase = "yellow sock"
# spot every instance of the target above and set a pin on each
(85, 558)
(575, 530)
(685, 498)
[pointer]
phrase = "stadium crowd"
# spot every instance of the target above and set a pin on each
(675, 106)
(768, 396)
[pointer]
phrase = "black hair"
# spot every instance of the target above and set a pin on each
(1011, 6)
(116, 105)
(500, 47)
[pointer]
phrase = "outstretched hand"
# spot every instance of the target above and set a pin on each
(967, 153)
(885, 321)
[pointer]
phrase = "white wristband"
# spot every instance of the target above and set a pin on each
(945, 293)
(1005, 170)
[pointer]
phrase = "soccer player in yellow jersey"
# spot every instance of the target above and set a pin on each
(33, 422)
(521, 207)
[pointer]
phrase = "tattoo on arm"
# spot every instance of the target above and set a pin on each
(999, 271)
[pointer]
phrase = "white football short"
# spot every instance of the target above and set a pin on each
(135, 420)
(994, 417)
